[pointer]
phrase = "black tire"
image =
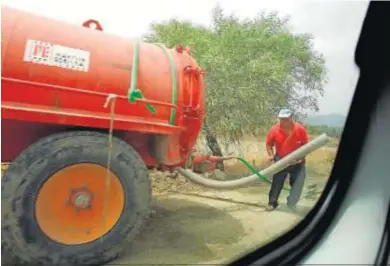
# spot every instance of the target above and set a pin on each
(22, 240)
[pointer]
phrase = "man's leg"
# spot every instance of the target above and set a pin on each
(276, 188)
(297, 180)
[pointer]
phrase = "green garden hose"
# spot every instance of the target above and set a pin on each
(254, 171)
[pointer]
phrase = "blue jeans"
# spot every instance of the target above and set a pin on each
(297, 179)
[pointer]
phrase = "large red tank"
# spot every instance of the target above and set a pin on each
(56, 75)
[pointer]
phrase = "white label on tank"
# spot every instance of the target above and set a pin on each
(56, 55)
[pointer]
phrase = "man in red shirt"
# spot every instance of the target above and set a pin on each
(283, 138)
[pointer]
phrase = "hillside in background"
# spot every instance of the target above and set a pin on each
(330, 120)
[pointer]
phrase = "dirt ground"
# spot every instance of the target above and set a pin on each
(200, 226)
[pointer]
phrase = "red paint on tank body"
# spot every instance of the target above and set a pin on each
(58, 97)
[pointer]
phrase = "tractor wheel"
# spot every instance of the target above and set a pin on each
(54, 196)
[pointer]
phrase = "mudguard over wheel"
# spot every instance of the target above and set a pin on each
(53, 201)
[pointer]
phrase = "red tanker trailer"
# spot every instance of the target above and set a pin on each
(60, 204)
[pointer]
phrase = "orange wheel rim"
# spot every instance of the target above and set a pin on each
(69, 206)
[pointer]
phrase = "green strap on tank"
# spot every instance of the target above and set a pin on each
(134, 93)
(172, 117)
(254, 171)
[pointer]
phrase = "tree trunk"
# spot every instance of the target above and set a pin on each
(213, 144)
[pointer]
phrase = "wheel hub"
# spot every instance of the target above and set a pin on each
(80, 198)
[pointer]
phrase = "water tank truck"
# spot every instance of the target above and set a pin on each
(84, 115)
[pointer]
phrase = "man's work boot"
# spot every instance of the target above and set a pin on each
(292, 208)
(270, 208)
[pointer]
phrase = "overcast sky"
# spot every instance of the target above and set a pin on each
(335, 25)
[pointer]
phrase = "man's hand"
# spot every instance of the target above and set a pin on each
(270, 158)
(297, 161)
(270, 152)
(228, 157)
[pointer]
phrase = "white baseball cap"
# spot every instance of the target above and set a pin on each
(285, 113)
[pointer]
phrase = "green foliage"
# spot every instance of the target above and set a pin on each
(253, 66)
(334, 132)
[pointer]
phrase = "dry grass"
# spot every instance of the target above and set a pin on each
(256, 159)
